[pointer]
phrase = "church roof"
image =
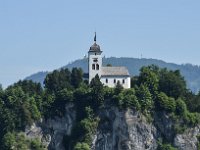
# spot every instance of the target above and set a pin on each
(95, 47)
(114, 71)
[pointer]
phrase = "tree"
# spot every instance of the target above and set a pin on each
(8, 141)
(118, 88)
(29, 87)
(144, 97)
(181, 108)
(76, 77)
(172, 83)
(149, 77)
(163, 102)
(58, 80)
(97, 91)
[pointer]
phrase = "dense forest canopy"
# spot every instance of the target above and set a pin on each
(154, 90)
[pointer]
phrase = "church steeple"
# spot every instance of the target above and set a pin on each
(94, 60)
(95, 37)
(95, 47)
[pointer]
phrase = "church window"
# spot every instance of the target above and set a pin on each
(123, 81)
(97, 66)
(114, 80)
(93, 66)
(106, 80)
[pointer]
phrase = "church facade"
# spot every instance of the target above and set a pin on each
(108, 75)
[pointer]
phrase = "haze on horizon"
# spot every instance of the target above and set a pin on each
(45, 35)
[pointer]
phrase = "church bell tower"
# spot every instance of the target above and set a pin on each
(94, 60)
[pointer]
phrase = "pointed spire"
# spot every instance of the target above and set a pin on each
(95, 38)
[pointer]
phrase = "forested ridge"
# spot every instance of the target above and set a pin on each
(189, 71)
(154, 90)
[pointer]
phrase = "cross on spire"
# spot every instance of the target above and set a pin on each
(95, 37)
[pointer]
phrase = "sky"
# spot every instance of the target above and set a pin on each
(43, 35)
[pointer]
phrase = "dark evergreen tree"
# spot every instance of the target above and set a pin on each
(118, 88)
(172, 83)
(76, 77)
(58, 80)
(97, 92)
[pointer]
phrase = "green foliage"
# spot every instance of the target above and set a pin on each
(58, 80)
(17, 141)
(76, 77)
(127, 99)
(192, 119)
(8, 141)
(165, 147)
(35, 144)
(181, 108)
(144, 97)
(108, 92)
(19, 109)
(149, 77)
(190, 72)
(192, 101)
(172, 83)
(29, 87)
(118, 88)
(62, 97)
(84, 130)
(154, 90)
(82, 146)
(163, 102)
(97, 91)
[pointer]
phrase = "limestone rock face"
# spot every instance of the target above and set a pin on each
(124, 130)
(187, 140)
(117, 130)
(51, 131)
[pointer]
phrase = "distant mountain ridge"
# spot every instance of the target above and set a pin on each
(190, 72)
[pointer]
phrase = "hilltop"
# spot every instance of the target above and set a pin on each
(190, 72)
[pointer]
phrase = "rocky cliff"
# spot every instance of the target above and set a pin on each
(117, 130)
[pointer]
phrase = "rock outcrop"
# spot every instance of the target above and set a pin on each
(187, 140)
(51, 131)
(117, 130)
(125, 130)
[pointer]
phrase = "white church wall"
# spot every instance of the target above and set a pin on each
(111, 83)
(93, 72)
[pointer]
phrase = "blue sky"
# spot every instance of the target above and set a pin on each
(40, 35)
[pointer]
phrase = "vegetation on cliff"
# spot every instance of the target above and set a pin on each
(153, 91)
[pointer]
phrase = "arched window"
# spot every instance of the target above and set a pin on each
(123, 81)
(106, 80)
(93, 66)
(97, 66)
(114, 80)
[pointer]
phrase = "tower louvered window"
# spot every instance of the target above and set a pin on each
(97, 66)
(93, 66)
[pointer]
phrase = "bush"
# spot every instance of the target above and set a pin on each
(166, 103)
(165, 147)
(127, 99)
(145, 97)
(82, 146)
(181, 108)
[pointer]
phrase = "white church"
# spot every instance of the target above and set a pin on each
(108, 75)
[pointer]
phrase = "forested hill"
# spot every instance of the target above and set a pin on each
(190, 72)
